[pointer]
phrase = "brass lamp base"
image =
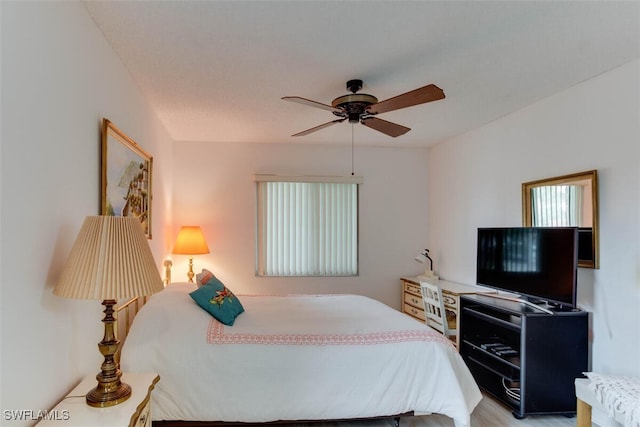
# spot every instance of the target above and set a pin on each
(110, 390)
(101, 397)
(190, 273)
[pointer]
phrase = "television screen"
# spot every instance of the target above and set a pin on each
(535, 262)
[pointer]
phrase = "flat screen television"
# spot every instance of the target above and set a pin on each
(538, 263)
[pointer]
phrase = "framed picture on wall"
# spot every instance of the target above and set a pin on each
(126, 177)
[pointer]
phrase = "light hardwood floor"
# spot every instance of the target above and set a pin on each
(488, 413)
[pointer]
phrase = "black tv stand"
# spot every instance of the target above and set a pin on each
(526, 358)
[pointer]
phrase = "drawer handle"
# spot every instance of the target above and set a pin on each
(415, 301)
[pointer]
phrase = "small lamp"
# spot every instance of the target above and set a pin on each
(422, 258)
(190, 241)
(110, 260)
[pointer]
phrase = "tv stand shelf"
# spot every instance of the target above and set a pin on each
(526, 358)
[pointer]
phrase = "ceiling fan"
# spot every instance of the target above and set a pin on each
(360, 107)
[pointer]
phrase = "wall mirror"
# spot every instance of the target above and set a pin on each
(566, 201)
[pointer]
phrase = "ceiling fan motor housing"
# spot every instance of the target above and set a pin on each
(353, 105)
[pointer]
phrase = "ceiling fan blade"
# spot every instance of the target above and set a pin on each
(310, 103)
(313, 129)
(388, 128)
(415, 97)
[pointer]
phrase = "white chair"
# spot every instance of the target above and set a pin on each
(435, 314)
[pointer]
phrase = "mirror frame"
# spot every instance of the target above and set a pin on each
(568, 179)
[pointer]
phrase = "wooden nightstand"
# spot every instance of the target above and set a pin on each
(134, 412)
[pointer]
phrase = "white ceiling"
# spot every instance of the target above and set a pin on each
(216, 70)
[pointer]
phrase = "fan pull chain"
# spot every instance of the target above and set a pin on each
(352, 127)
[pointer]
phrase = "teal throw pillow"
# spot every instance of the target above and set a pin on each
(218, 300)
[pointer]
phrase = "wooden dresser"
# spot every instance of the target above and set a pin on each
(451, 292)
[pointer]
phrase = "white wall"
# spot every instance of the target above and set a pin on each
(475, 180)
(59, 78)
(214, 189)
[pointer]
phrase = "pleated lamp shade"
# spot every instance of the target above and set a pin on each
(110, 259)
(190, 241)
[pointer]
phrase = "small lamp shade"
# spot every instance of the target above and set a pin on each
(190, 241)
(110, 259)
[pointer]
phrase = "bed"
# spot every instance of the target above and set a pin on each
(296, 357)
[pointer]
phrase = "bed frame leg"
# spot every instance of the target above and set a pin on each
(396, 421)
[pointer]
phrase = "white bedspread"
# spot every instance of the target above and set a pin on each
(294, 358)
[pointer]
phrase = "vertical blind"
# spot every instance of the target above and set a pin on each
(557, 206)
(307, 228)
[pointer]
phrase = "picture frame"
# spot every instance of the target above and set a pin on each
(126, 176)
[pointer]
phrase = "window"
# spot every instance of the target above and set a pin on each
(307, 226)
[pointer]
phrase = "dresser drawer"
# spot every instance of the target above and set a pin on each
(450, 301)
(413, 300)
(411, 288)
(413, 311)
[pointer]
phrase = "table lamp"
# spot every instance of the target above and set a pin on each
(110, 260)
(190, 241)
(422, 258)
